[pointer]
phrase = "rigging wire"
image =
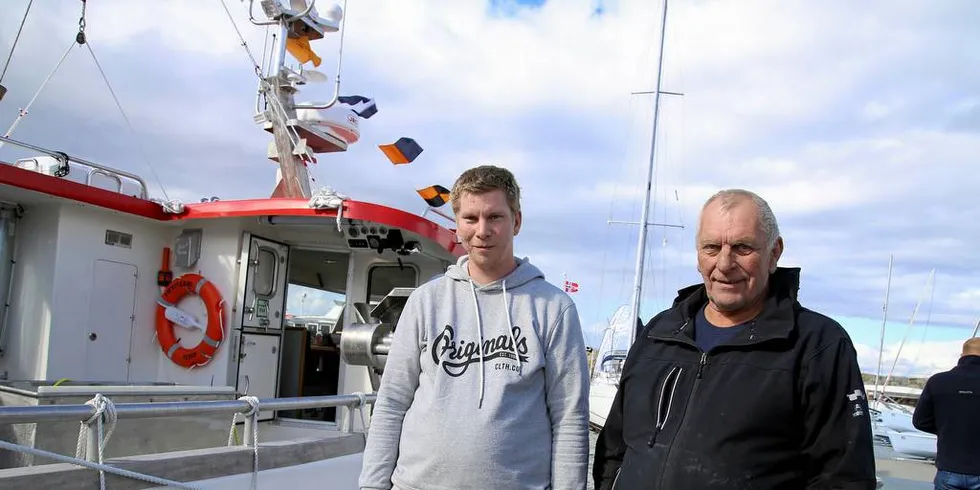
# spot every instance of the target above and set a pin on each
(81, 38)
(16, 38)
(139, 143)
(23, 112)
(255, 64)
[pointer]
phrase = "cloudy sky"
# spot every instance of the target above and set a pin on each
(858, 122)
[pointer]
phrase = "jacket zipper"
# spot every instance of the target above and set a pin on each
(672, 379)
(694, 389)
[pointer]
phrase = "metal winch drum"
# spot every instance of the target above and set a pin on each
(368, 341)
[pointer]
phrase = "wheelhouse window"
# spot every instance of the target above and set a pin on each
(383, 278)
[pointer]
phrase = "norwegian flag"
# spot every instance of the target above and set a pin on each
(571, 287)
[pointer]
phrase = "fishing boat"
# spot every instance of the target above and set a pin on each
(163, 326)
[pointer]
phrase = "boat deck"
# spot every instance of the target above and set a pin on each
(897, 472)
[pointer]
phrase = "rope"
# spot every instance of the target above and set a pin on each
(16, 38)
(104, 419)
(252, 413)
(362, 404)
(95, 466)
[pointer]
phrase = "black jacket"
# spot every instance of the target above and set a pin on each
(779, 406)
(950, 408)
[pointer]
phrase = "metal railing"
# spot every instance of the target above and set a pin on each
(83, 413)
(95, 168)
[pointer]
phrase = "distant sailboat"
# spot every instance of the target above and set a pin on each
(626, 320)
(608, 367)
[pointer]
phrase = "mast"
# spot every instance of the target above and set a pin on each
(295, 179)
(884, 317)
(644, 219)
(915, 310)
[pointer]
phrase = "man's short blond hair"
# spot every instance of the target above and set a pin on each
(486, 178)
(972, 347)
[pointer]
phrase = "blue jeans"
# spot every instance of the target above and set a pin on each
(946, 480)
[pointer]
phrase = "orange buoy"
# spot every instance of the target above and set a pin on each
(213, 334)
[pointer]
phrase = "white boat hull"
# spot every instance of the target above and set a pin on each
(601, 394)
(917, 444)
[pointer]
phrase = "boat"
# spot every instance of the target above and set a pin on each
(164, 326)
(608, 368)
(917, 444)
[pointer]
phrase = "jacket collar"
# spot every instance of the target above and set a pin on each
(969, 361)
(775, 321)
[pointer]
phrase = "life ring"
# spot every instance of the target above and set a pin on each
(204, 351)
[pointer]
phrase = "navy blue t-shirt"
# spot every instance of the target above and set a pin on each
(707, 335)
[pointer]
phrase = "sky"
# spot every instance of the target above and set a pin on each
(856, 121)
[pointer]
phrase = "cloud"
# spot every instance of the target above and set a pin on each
(858, 122)
(919, 360)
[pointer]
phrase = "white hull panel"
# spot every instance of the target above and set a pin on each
(918, 444)
(601, 395)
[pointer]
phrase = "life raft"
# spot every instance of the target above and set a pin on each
(213, 334)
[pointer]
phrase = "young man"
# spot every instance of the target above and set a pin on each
(950, 408)
(738, 385)
(486, 384)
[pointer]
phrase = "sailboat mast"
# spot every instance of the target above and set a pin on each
(884, 318)
(644, 220)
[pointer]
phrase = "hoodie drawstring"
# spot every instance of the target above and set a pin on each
(510, 331)
(479, 326)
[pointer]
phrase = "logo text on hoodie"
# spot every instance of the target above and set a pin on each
(455, 356)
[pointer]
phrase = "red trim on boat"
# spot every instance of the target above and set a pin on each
(46, 184)
(54, 186)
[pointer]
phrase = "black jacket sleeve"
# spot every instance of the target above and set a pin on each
(610, 447)
(924, 416)
(837, 440)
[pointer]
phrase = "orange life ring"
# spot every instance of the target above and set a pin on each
(204, 351)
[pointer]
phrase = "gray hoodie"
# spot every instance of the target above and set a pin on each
(512, 415)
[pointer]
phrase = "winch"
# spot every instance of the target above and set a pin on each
(367, 342)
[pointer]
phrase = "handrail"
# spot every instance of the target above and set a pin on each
(144, 193)
(80, 413)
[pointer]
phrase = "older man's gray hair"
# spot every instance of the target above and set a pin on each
(731, 197)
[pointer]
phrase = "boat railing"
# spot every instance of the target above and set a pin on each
(143, 410)
(94, 168)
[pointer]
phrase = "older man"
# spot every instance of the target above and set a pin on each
(738, 386)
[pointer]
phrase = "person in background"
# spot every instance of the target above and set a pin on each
(737, 385)
(486, 384)
(949, 407)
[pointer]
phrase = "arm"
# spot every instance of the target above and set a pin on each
(566, 393)
(610, 447)
(837, 440)
(924, 416)
(395, 396)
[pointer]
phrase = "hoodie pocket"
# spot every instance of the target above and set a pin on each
(665, 401)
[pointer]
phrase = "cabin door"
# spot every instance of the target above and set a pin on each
(262, 305)
(265, 267)
(110, 321)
